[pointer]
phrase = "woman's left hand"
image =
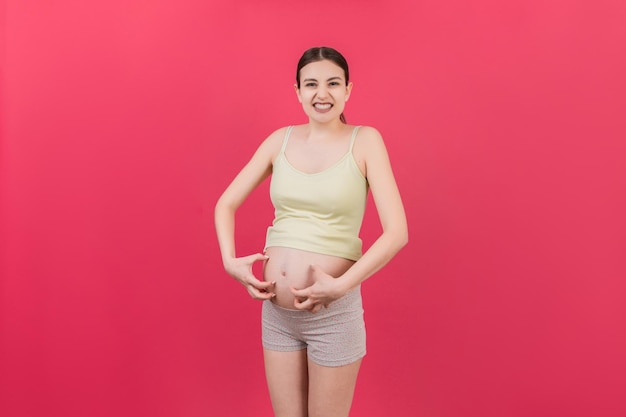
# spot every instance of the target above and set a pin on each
(324, 291)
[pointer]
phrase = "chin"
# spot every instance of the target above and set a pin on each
(323, 118)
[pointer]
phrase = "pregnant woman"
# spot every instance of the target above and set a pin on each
(312, 318)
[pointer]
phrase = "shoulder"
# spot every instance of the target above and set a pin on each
(272, 144)
(368, 139)
(369, 132)
(276, 136)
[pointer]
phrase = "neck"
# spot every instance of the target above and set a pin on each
(325, 129)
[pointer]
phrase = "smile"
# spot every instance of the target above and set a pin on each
(322, 106)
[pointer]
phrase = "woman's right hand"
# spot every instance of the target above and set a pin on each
(241, 270)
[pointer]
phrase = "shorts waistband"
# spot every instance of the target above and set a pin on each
(348, 298)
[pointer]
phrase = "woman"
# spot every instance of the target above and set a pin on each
(313, 330)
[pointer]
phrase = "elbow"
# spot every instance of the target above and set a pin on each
(221, 202)
(225, 203)
(218, 209)
(400, 239)
(223, 209)
(403, 235)
(403, 239)
(396, 238)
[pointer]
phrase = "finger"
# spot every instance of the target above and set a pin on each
(261, 285)
(303, 305)
(316, 269)
(316, 308)
(259, 295)
(252, 280)
(319, 274)
(303, 293)
(257, 257)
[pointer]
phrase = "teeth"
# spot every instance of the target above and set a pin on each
(323, 106)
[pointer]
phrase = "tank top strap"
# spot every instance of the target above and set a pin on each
(287, 134)
(356, 129)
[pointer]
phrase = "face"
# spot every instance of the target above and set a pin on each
(323, 91)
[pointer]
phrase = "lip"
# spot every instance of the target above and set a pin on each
(322, 109)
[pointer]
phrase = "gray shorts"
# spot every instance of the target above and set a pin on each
(334, 336)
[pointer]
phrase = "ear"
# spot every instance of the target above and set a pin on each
(348, 90)
(295, 87)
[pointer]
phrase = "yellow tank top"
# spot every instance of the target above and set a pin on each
(320, 212)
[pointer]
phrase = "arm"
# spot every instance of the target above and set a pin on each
(327, 289)
(390, 212)
(253, 173)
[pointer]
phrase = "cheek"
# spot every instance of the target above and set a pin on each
(306, 99)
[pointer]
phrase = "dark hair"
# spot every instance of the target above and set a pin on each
(319, 54)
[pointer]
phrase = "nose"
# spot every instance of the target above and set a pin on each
(322, 92)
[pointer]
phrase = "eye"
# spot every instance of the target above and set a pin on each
(310, 85)
(334, 83)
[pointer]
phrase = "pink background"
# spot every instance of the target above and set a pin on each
(122, 121)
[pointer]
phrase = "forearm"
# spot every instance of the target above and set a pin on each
(377, 256)
(225, 230)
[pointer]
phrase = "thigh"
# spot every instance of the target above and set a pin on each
(331, 389)
(287, 381)
(336, 336)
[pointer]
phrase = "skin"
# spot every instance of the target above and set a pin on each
(305, 280)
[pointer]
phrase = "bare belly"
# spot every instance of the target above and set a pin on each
(292, 268)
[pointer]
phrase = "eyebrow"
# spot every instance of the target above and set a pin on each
(313, 79)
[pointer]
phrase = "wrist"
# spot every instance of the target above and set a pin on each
(342, 285)
(227, 261)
